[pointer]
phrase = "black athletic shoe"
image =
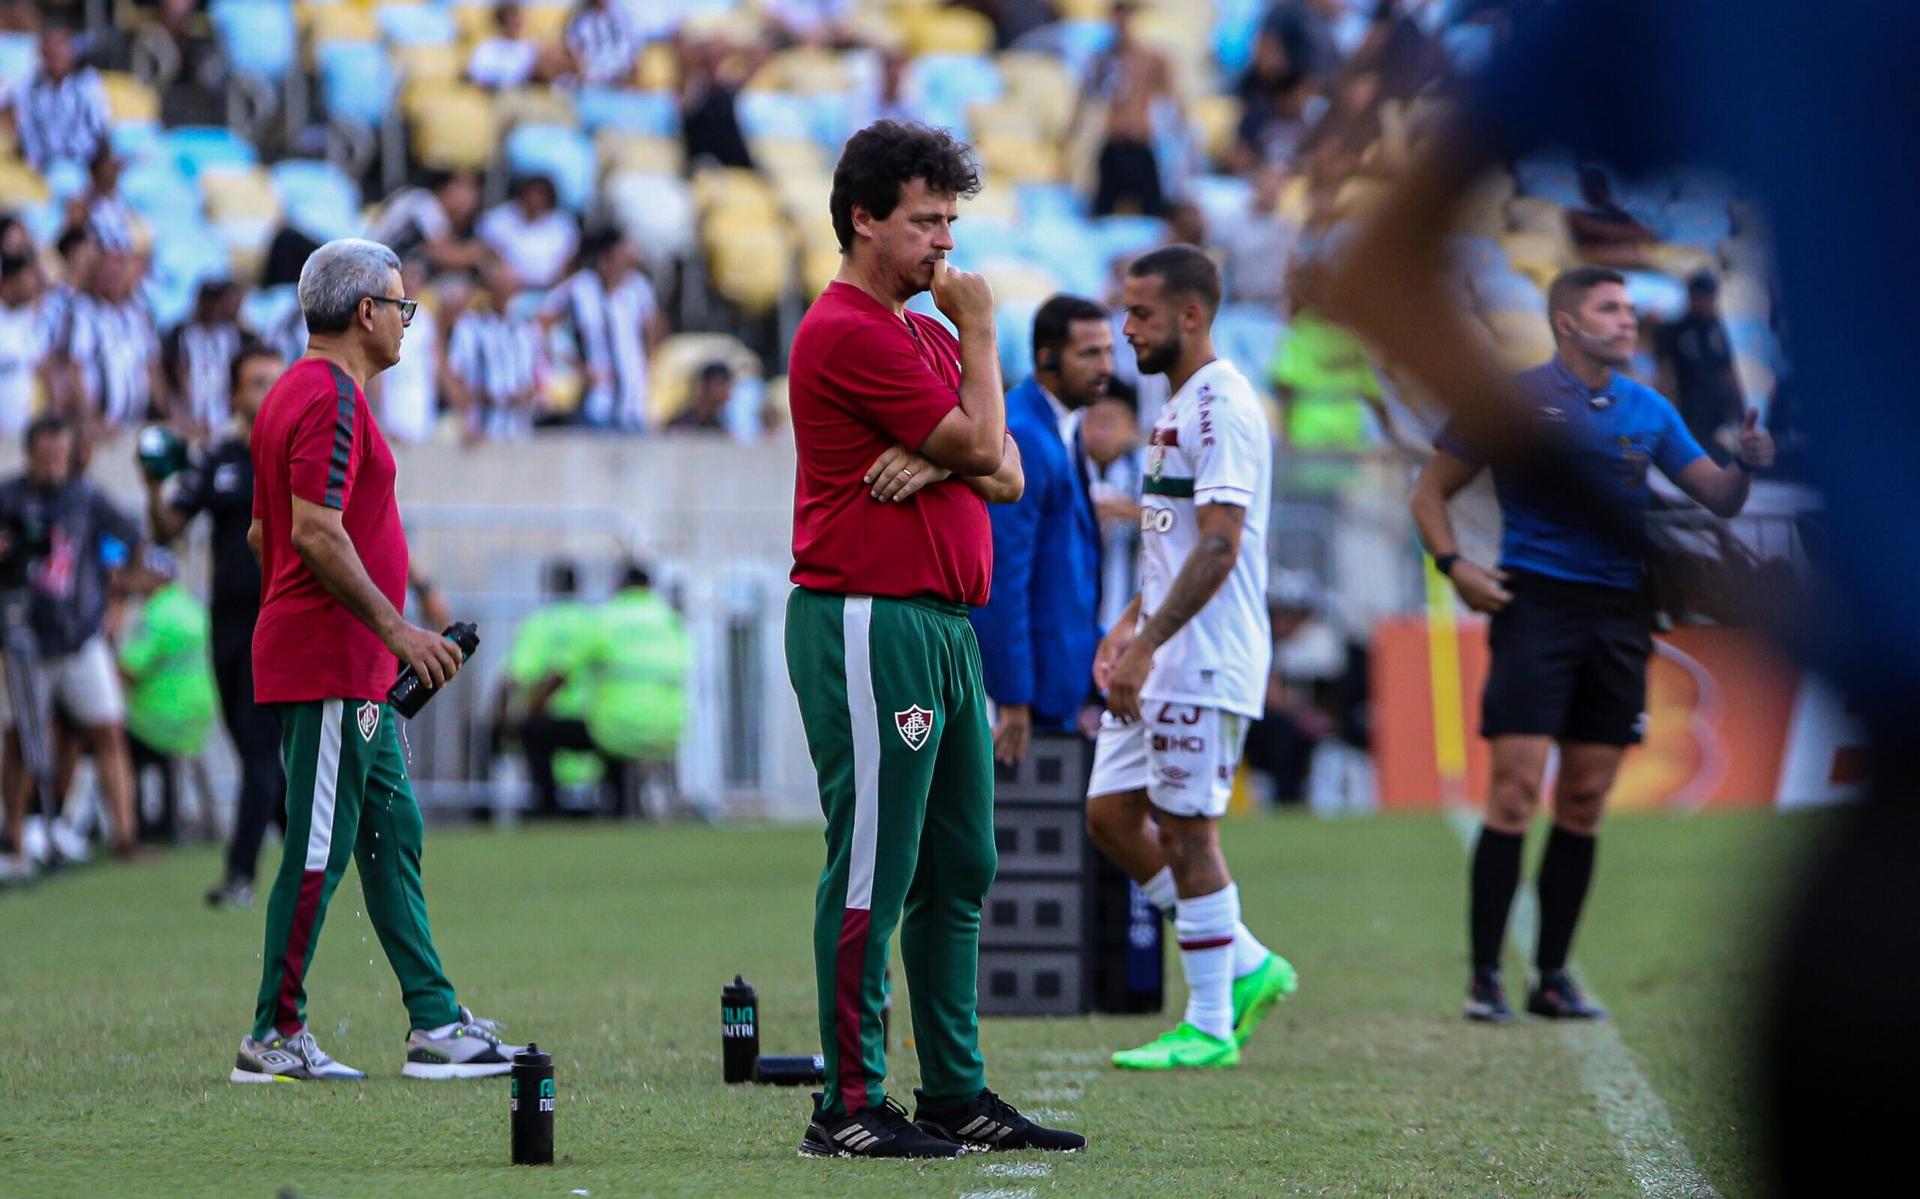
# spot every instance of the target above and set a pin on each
(1556, 997)
(883, 1131)
(990, 1122)
(1486, 999)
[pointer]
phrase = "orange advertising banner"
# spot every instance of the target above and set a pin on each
(1725, 713)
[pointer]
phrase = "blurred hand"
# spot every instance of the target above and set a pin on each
(1117, 508)
(1128, 676)
(899, 472)
(1108, 652)
(432, 656)
(1088, 721)
(1481, 588)
(433, 606)
(1756, 444)
(963, 296)
(1012, 734)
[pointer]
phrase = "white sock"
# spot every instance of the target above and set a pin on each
(1205, 926)
(1160, 892)
(445, 1030)
(1248, 952)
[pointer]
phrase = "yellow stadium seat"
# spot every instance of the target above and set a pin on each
(1217, 119)
(428, 63)
(1680, 261)
(639, 153)
(659, 68)
(804, 70)
(1015, 282)
(533, 106)
(1744, 295)
(1014, 159)
(945, 31)
(1001, 118)
(803, 196)
(676, 358)
(818, 265)
(752, 268)
(733, 187)
(238, 194)
(340, 23)
(1359, 196)
(21, 184)
(1043, 86)
(1536, 214)
(456, 129)
(1083, 10)
(1520, 339)
(128, 99)
(776, 406)
(546, 22)
(1537, 254)
(1294, 199)
(779, 156)
(999, 203)
(474, 19)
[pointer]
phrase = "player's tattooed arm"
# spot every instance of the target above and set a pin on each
(1205, 571)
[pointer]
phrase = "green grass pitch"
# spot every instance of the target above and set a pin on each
(121, 1001)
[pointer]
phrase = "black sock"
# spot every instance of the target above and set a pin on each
(1565, 872)
(1495, 877)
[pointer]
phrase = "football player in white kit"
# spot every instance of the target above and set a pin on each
(1185, 667)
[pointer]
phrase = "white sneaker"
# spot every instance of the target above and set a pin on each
(15, 870)
(71, 846)
(467, 1048)
(297, 1058)
(34, 842)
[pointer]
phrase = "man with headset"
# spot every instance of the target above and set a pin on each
(1572, 626)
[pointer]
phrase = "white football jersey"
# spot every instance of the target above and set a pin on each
(1210, 445)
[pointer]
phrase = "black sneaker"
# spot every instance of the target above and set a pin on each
(1556, 997)
(1486, 999)
(883, 1131)
(991, 1123)
(234, 893)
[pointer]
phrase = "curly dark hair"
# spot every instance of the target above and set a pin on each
(880, 160)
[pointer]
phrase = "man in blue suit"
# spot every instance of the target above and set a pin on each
(1038, 632)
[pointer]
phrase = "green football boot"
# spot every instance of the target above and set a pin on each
(1255, 994)
(1186, 1047)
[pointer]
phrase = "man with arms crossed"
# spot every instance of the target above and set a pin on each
(900, 431)
(334, 561)
(1185, 666)
(1572, 627)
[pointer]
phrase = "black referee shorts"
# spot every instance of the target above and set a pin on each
(1569, 662)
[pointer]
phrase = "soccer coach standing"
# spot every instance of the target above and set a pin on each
(334, 562)
(901, 437)
(1572, 626)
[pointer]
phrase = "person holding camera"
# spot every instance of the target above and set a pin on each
(59, 538)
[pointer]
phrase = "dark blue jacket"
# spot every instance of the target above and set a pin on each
(1038, 634)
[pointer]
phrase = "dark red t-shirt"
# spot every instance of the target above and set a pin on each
(861, 380)
(315, 439)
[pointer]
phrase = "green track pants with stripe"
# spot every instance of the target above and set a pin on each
(348, 797)
(896, 718)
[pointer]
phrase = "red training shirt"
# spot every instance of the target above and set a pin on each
(315, 438)
(861, 381)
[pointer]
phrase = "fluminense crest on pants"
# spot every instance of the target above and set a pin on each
(914, 724)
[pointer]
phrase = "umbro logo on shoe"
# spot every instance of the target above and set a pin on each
(277, 1060)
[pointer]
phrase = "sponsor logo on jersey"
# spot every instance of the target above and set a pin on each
(1188, 744)
(915, 726)
(1157, 520)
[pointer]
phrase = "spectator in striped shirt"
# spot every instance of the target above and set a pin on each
(602, 43)
(99, 209)
(114, 348)
(610, 310)
(23, 343)
(531, 233)
(493, 362)
(509, 58)
(198, 357)
(60, 111)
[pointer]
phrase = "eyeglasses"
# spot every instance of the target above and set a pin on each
(406, 307)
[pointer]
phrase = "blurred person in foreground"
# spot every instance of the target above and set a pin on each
(900, 433)
(1107, 447)
(334, 559)
(1185, 666)
(60, 540)
(1038, 631)
(164, 663)
(1572, 626)
(1760, 89)
(219, 481)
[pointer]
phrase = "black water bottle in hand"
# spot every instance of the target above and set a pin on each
(739, 1030)
(410, 692)
(532, 1107)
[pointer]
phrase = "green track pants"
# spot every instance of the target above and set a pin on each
(348, 797)
(895, 712)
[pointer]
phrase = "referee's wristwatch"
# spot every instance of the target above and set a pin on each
(1444, 564)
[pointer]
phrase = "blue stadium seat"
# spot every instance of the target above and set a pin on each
(1069, 248)
(1751, 336)
(318, 198)
(775, 114)
(1126, 236)
(258, 37)
(563, 154)
(196, 147)
(1220, 196)
(356, 81)
(1042, 201)
(19, 53)
(1469, 47)
(65, 179)
(656, 212)
(1477, 256)
(1236, 28)
(416, 25)
(265, 308)
(653, 113)
(833, 119)
(155, 185)
(924, 305)
(1509, 291)
(942, 85)
(1246, 335)
(977, 237)
(1655, 294)
(132, 139)
(1013, 327)
(1696, 223)
(44, 221)
(1074, 42)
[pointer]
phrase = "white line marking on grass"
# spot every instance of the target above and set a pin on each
(1001, 1193)
(1017, 1170)
(1642, 1129)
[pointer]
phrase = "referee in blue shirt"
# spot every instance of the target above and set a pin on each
(1572, 624)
